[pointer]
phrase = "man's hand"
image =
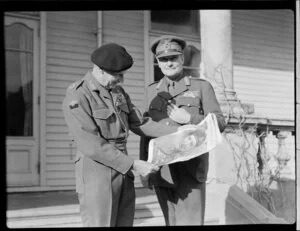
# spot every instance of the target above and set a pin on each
(144, 168)
(177, 114)
(146, 182)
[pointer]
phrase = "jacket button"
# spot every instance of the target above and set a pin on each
(188, 105)
(168, 123)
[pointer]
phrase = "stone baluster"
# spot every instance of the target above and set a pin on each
(283, 156)
(283, 185)
(263, 156)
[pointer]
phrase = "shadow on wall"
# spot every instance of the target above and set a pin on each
(241, 208)
(279, 199)
(234, 214)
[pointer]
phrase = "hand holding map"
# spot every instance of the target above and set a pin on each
(188, 142)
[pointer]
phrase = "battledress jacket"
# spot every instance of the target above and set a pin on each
(197, 97)
(99, 122)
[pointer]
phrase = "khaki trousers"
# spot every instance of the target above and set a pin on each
(107, 198)
(182, 206)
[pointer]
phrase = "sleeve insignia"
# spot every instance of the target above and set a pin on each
(73, 104)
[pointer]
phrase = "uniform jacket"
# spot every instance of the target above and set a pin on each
(99, 122)
(196, 96)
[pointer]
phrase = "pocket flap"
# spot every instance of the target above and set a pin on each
(187, 101)
(102, 113)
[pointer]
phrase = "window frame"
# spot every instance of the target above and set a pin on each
(190, 37)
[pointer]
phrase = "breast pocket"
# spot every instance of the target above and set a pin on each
(192, 105)
(105, 120)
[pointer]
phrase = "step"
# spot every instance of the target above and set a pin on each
(152, 216)
(142, 218)
(31, 222)
(148, 213)
(68, 210)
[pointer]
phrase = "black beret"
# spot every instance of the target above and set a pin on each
(112, 57)
(167, 45)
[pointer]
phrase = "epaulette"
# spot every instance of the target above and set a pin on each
(197, 78)
(74, 86)
(156, 82)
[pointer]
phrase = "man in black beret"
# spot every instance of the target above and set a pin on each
(99, 114)
(179, 100)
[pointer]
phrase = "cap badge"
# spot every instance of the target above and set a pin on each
(167, 46)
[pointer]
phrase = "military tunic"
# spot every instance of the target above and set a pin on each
(180, 187)
(100, 120)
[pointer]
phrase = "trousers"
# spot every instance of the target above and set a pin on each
(183, 205)
(107, 198)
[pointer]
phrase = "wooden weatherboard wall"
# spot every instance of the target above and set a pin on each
(263, 57)
(71, 37)
(127, 29)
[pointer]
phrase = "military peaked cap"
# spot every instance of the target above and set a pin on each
(167, 45)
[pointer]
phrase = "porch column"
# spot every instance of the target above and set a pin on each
(216, 48)
(216, 53)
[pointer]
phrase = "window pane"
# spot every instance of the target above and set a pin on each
(192, 60)
(19, 36)
(176, 21)
(19, 81)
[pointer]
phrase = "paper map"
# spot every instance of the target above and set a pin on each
(188, 142)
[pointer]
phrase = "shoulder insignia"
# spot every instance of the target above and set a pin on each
(73, 104)
(187, 81)
(156, 82)
(196, 78)
(75, 85)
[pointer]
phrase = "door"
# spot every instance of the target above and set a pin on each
(22, 119)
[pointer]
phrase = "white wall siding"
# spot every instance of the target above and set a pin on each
(263, 58)
(71, 37)
(127, 29)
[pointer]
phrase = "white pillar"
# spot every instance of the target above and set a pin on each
(216, 48)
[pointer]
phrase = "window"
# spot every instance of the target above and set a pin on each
(19, 66)
(176, 21)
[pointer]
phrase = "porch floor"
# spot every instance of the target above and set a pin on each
(28, 200)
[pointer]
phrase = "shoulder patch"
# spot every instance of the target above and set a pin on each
(73, 104)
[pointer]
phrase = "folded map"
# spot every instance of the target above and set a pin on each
(188, 142)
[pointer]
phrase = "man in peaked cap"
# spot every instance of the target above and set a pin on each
(178, 100)
(99, 114)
